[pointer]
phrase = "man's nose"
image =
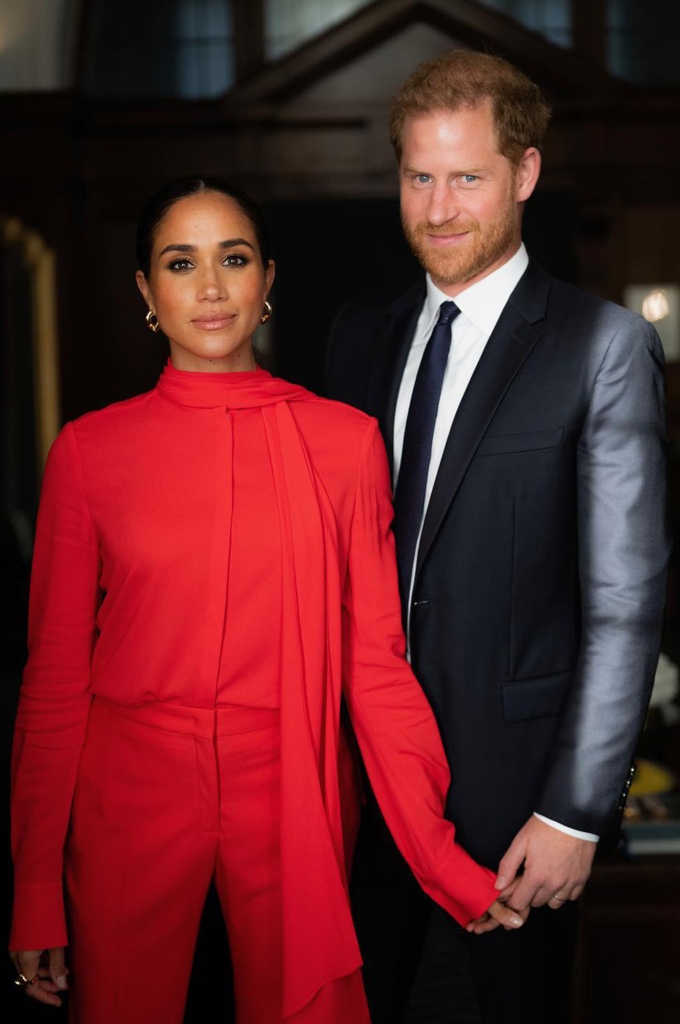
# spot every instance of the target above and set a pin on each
(443, 205)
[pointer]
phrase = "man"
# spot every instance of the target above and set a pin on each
(524, 419)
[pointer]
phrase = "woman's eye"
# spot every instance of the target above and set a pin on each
(235, 259)
(180, 265)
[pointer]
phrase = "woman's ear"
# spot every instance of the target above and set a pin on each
(144, 289)
(269, 275)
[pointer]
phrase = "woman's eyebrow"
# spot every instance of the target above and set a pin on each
(226, 244)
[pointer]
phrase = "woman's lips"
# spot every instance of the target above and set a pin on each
(213, 321)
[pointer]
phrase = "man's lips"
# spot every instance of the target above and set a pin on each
(454, 238)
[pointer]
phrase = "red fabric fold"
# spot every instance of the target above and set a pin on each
(315, 900)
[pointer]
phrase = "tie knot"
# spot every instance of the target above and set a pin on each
(448, 311)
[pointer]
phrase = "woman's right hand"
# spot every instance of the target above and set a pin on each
(46, 971)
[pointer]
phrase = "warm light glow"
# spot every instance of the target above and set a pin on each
(14, 24)
(659, 304)
(655, 305)
(32, 36)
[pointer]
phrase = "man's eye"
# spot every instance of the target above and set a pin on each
(469, 179)
(423, 179)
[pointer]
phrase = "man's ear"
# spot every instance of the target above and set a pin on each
(528, 171)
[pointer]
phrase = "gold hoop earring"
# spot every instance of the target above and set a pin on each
(267, 312)
(152, 321)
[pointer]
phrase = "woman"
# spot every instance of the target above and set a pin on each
(213, 570)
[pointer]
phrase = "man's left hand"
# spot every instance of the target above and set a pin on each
(556, 866)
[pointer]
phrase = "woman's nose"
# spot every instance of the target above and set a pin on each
(212, 286)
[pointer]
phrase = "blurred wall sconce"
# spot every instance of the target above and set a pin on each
(660, 304)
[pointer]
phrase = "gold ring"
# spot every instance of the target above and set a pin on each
(22, 981)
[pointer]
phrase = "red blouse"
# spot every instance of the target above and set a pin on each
(225, 538)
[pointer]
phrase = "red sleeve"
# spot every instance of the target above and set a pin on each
(55, 699)
(392, 719)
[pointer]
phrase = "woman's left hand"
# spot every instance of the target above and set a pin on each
(499, 914)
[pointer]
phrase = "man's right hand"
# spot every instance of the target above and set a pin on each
(556, 866)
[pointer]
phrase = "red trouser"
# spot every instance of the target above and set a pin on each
(168, 798)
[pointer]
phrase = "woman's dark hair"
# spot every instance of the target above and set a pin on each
(159, 204)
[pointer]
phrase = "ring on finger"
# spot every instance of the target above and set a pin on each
(23, 982)
(559, 899)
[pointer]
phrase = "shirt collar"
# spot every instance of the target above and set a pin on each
(247, 389)
(482, 303)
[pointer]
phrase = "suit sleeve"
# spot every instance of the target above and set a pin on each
(55, 699)
(623, 542)
(393, 722)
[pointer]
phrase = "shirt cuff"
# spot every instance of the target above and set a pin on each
(590, 836)
(38, 919)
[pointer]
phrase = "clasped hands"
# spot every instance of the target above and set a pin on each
(556, 869)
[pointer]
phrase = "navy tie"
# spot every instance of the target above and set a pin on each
(409, 499)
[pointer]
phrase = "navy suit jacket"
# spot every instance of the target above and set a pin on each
(540, 578)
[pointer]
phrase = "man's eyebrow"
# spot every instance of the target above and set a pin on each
(228, 243)
(406, 169)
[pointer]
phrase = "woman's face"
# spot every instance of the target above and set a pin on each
(207, 283)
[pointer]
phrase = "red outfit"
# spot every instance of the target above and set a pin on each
(238, 529)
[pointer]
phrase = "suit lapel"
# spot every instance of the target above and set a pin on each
(393, 341)
(510, 344)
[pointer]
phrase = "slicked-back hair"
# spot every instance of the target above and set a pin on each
(161, 202)
(465, 79)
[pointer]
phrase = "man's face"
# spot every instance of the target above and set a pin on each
(460, 198)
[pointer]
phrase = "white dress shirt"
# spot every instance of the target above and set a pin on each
(480, 307)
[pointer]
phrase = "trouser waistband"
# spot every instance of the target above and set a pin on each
(224, 720)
